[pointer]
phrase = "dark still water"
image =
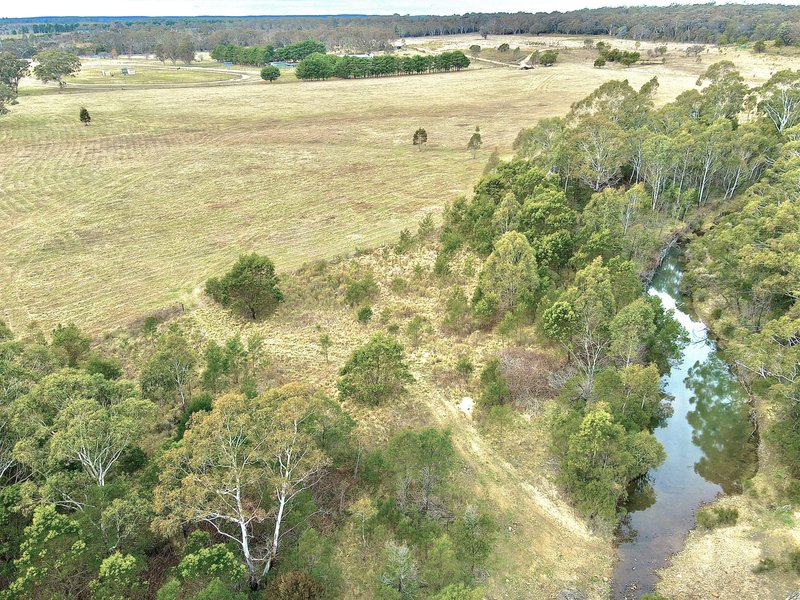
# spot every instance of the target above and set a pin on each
(711, 450)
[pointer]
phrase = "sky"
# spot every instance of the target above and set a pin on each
(41, 8)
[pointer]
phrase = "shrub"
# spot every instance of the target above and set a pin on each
(414, 330)
(296, 585)
(359, 290)
(441, 268)
(375, 372)
(456, 311)
(794, 560)
(150, 325)
(398, 285)
(364, 315)
(717, 516)
(494, 387)
(109, 368)
(765, 565)
(464, 367)
(404, 242)
(201, 402)
(527, 374)
(425, 226)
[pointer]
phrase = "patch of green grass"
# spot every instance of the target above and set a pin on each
(717, 516)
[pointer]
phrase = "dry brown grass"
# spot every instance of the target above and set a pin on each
(167, 186)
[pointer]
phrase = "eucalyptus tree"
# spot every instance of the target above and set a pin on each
(238, 469)
(779, 99)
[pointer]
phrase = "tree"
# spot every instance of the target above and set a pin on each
(602, 459)
(580, 319)
(375, 372)
(630, 329)
(548, 58)
(7, 96)
(601, 146)
(659, 156)
(270, 73)
(185, 50)
(169, 369)
(724, 93)
(240, 466)
(251, 286)
(474, 49)
(84, 116)
(316, 66)
(780, 99)
(70, 344)
(474, 536)
(600, 62)
(400, 571)
(759, 47)
(55, 65)
(420, 138)
(95, 435)
(325, 344)
(509, 273)
(475, 142)
(420, 462)
(12, 70)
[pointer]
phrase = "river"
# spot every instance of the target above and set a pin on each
(710, 446)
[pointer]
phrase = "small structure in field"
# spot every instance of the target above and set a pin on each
(399, 43)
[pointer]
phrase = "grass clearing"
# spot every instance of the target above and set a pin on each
(92, 74)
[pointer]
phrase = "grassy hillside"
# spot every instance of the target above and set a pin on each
(542, 545)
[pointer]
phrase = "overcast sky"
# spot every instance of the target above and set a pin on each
(39, 8)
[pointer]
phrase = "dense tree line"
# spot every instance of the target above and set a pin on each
(324, 66)
(699, 23)
(570, 268)
(569, 226)
(259, 56)
(746, 270)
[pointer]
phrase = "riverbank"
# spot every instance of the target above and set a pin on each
(744, 560)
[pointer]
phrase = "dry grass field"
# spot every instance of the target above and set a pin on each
(167, 186)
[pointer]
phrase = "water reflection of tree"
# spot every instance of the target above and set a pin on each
(720, 424)
(641, 496)
(668, 277)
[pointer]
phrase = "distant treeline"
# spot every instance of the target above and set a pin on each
(324, 66)
(698, 23)
(261, 55)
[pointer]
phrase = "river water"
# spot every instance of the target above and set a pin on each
(710, 446)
